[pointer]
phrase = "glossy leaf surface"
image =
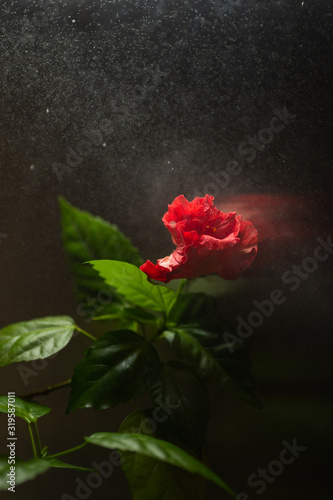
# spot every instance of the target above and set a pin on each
(87, 237)
(132, 283)
(34, 339)
(158, 449)
(118, 367)
(28, 410)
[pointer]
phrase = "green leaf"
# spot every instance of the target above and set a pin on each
(197, 314)
(86, 237)
(58, 464)
(237, 362)
(24, 471)
(214, 286)
(134, 313)
(193, 308)
(28, 410)
(234, 359)
(118, 367)
(159, 450)
(208, 339)
(132, 283)
(178, 385)
(151, 479)
(34, 339)
(204, 363)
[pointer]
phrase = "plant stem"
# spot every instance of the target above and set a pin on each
(91, 337)
(32, 441)
(47, 390)
(39, 446)
(181, 286)
(70, 450)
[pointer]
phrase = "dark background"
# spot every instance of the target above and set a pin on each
(183, 84)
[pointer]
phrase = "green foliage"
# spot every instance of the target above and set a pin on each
(28, 410)
(24, 471)
(59, 464)
(204, 363)
(157, 449)
(118, 367)
(178, 385)
(34, 339)
(132, 283)
(86, 237)
(149, 478)
(234, 359)
(194, 308)
(134, 313)
(196, 315)
(162, 447)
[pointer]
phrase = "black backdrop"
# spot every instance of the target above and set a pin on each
(175, 89)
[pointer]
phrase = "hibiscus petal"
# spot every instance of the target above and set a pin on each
(154, 272)
(208, 241)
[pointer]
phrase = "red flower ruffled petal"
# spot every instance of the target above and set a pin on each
(208, 241)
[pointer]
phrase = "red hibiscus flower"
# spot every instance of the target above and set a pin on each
(208, 241)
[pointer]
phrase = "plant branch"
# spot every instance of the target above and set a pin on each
(70, 450)
(39, 446)
(32, 441)
(91, 337)
(47, 390)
